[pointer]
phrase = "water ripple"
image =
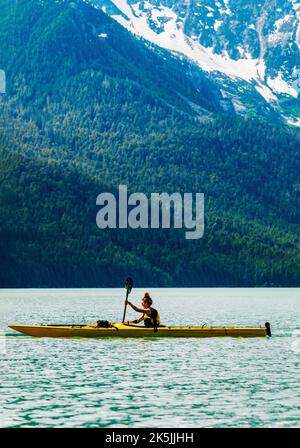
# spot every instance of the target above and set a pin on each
(151, 382)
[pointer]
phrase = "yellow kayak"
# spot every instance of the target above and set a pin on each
(128, 331)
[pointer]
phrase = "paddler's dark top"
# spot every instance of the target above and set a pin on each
(153, 319)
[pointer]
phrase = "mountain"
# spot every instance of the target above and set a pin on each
(249, 48)
(102, 45)
(88, 106)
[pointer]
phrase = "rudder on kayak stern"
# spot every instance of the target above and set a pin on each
(268, 329)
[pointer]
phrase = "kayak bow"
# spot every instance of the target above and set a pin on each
(127, 331)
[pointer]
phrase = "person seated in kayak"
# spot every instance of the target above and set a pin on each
(150, 315)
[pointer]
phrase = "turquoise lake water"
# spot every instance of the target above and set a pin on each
(215, 382)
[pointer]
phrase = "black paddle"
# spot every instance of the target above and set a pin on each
(128, 286)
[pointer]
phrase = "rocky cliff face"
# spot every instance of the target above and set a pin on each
(250, 47)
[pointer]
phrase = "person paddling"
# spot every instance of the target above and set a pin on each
(150, 315)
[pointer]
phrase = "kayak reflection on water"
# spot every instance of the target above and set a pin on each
(150, 315)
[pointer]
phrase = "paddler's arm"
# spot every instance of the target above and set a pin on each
(139, 310)
(128, 322)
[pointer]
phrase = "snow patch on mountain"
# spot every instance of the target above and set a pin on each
(173, 38)
(124, 7)
(218, 24)
(266, 93)
(235, 43)
(278, 84)
(293, 122)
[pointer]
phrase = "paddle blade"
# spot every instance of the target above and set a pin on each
(129, 284)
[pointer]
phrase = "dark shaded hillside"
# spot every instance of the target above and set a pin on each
(48, 231)
(84, 114)
(49, 238)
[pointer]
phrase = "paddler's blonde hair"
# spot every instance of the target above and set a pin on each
(147, 298)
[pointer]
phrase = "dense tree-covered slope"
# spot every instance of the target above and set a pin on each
(49, 238)
(84, 113)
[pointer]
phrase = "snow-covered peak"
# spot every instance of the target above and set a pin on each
(257, 42)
